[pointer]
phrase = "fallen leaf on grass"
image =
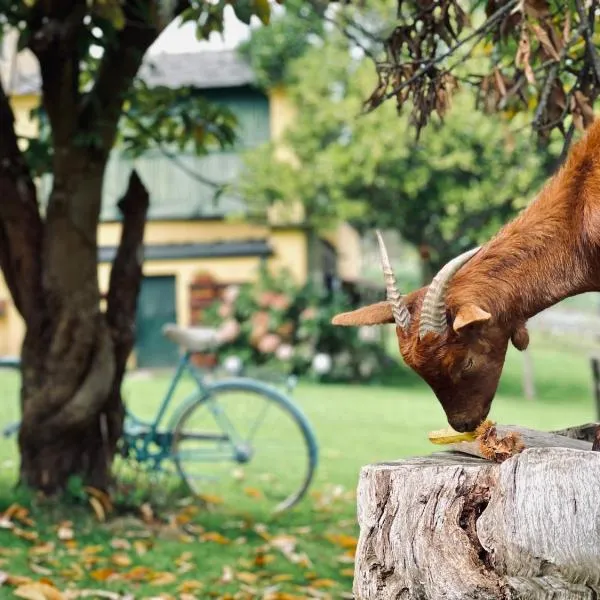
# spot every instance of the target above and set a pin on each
(190, 586)
(214, 536)
(253, 492)
(227, 575)
(142, 546)
(341, 539)
(16, 580)
(41, 549)
(261, 559)
(103, 574)
(97, 508)
(347, 572)
(139, 574)
(163, 579)
(39, 569)
(16, 512)
(147, 513)
(38, 591)
(246, 577)
(121, 560)
(324, 583)
(119, 544)
(281, 577)
(30, 536)
(65, 531)
(347, 557)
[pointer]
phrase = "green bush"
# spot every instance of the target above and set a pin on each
(277, 324)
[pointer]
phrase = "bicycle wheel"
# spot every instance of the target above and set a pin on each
(242, 443)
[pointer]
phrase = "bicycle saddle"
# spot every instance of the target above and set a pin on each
(194, 339)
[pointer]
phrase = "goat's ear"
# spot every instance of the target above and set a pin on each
(373, 314)
(520, 337)
(469, 314)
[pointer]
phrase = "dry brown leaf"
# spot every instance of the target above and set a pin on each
(536, 8)
(147, 513)
(18, 580)
(227, 574)
(97, 508)
(139, 573)
(38, 591)
(499, 80)
(324, 583)
(120, 544)
(163, 578)
(103, 574)
(246, 577)
(30, 536)
(39, 569)
(121, 559)
(281, 577)
(190, 586)
(545, 41)
(523, 55)
(40, 549)
(584, 106)
(214, 536)
(341, 539)
(65, 531)
(347, 572)
(253, 492)
(141, 546)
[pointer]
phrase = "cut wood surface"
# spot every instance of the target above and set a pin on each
(454, 526)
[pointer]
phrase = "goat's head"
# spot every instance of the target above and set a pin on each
(460, 354)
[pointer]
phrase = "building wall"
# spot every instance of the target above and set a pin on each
(289, 244)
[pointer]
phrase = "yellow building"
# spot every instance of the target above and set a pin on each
(191, 240)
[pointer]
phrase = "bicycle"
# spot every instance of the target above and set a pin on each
(220, 443)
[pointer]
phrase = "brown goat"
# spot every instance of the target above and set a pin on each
(454, 333)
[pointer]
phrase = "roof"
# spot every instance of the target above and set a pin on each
(214, 69)
(203, 70)
(191, 250)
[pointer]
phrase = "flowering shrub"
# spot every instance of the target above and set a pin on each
(278, 324)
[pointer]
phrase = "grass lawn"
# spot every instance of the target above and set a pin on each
(228, 553)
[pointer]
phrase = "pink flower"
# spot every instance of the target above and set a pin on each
(230, 294)
(264, 299)
(269, 343)
(308, 313)
(284, 352)
(280, 301)
(225, 311)
(228, 331)
(260, 319)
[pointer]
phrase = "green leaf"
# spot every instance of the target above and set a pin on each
(262, 8)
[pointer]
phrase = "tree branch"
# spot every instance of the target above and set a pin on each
(588, 34)
(478, 33)
(126, 273)
(20, 222)
(101, 108)
(55, 28)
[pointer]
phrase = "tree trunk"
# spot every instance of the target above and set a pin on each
(72, 370)
(452, 526)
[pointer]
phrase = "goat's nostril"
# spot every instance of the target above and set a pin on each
(462, 426)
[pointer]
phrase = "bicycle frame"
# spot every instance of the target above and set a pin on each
(164, 439)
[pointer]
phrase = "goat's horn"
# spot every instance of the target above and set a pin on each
(433, 311)
(399, 308)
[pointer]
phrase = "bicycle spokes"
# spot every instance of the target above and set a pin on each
(247, 446)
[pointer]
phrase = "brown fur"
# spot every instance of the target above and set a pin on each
(547, 253)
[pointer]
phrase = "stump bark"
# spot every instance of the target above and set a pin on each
(454, 526)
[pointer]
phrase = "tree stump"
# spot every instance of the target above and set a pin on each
(454, 526)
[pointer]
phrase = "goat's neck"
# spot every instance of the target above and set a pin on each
(534, 262)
